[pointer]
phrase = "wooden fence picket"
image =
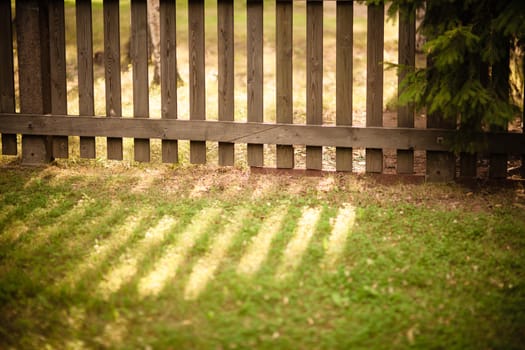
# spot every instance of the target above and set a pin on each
(284, 77)
(7, 84)
(254, 52)
(168, 76)
(314, 77)
(139, 59)
(344, 77)
(407, 59)
(112, 72)
(226, 75)
(86, 102)
(197, 75)
(374, 81)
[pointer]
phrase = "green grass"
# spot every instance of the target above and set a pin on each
(422, 266)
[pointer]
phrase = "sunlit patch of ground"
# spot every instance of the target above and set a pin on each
(166, 267)
(342, 226)
(206, 266)
(129, 262)
(299, 243)
(259, 246)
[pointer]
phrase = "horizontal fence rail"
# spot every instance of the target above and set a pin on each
(44, 125)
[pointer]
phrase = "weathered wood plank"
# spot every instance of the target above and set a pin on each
(139, 59)
(374, 81)
(57, 57)
(259, 133)
(254, 51)
(441, 166)
(226, 76)
(33, 62)
(468, 166)
(7, 84)
(197, 74)
(344, 77)
(407, 58)
(284, 77)
(112, 72)
(168, 76)
(86, 104)
(314, 77)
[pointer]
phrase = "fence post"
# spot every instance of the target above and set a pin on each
(407, 58)
(34, 76)
(7, 84)
(344, 76)
(168, 76)
(374, 81)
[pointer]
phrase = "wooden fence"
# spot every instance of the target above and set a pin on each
(43, 122)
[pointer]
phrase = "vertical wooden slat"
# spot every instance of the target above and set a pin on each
(112, 72)
(441, 166)
(139, 58)
(57, 57)
(314, 77)
(407, 58)
(501, 83)
(168, 76)
(344, 67)
(7, 85)
(284, 76)
(226, 52)
(374, 81)
(33, 62)
(468, 168)
(197, 75)
(255, 74)
(85, 71)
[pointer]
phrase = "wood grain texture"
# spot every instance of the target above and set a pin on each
(33, 72)
(314, 77)
(226, 74)
(58, 85)
(406, 58)
(259, 133)
(255, 74)
(197, 74)
(284, 77)
(168, 76)
(86, 102)
(112, 72)
(7, 84)
(344, 77)
(374, 81)
(139, 59)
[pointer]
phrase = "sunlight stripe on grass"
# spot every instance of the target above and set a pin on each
(344, 223)
(128, 266)
(205, 268)
(260, 245)
(166, 267)
(102, 249)
(297, 246)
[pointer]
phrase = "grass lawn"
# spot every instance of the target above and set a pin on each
(107, 255)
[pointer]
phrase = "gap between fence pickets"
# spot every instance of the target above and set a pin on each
(247, 132)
